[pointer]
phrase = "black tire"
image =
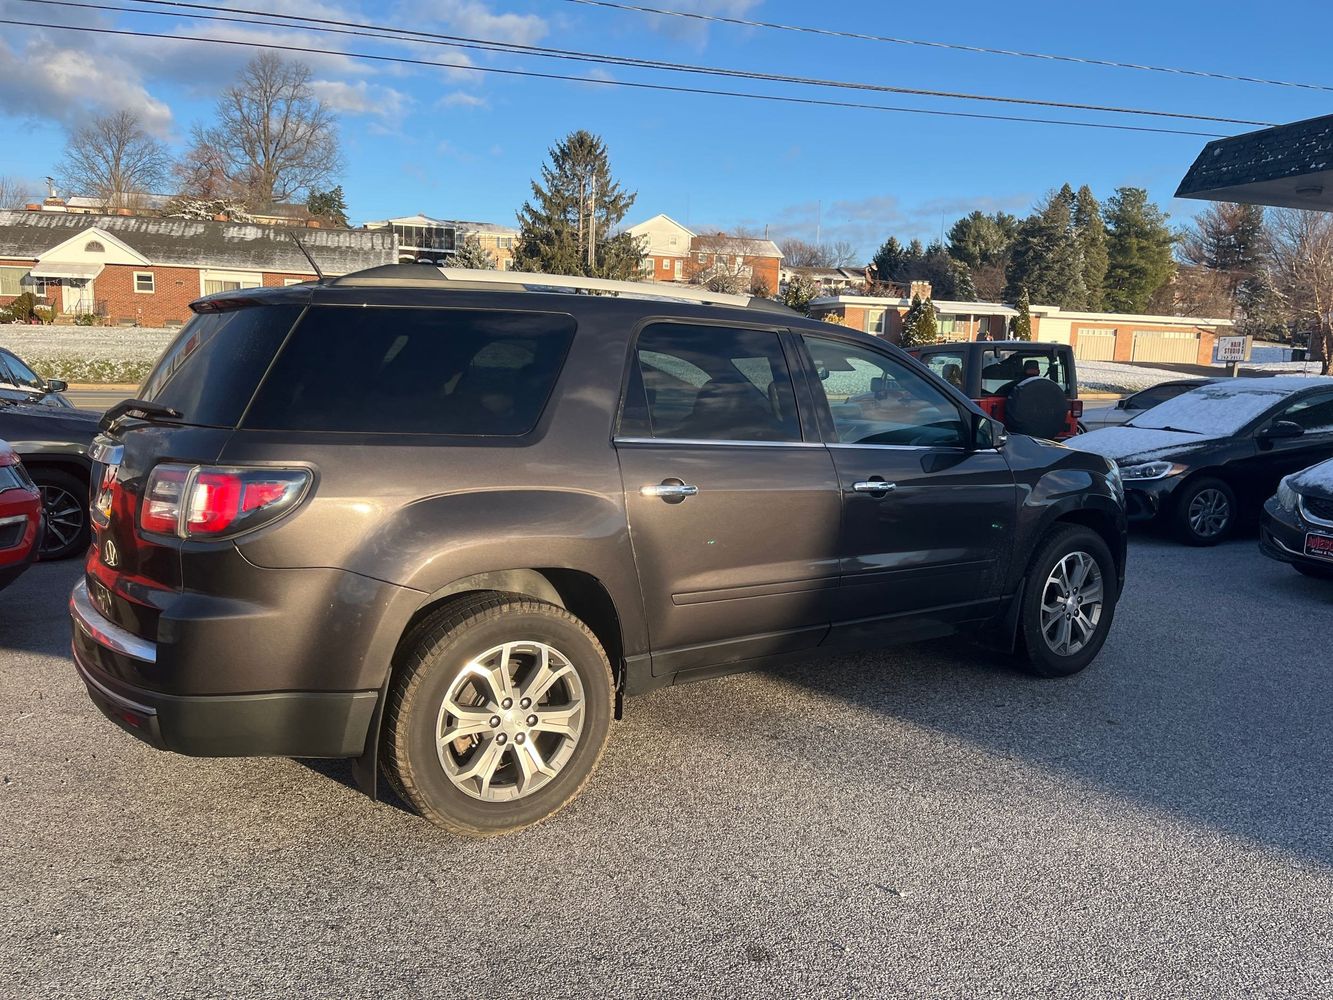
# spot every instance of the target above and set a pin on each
(1038, 407)
(1316, 572)
(431, 669)
(1037, 655)
(1190, 516)
(65, 511)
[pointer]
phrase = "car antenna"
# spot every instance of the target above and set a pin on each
(301, 246)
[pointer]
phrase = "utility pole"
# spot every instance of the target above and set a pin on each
(592, 227)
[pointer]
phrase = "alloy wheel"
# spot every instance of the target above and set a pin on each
(510, 721)
(64, 515)
(1209, 512)
(1071, 603)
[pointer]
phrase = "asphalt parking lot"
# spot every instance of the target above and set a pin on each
(918, 821)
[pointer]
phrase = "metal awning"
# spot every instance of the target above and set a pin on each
(1290, 166)
(55, 269)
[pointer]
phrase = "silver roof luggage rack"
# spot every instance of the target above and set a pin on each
(466, 279)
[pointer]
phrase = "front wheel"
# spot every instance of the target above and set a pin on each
(1205, 512)
(1068, 602)
(498, 715)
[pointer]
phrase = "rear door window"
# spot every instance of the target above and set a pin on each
(211, 369)
(710, 383)
(1004, 368)
(414, 371)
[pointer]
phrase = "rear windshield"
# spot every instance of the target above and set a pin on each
(1004, 367)
(414, 371)
(212, 368)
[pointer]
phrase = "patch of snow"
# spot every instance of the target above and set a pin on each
(1316, 479)
(1140, 444)
(1113, 376)
(1222, 408)
(111, 343)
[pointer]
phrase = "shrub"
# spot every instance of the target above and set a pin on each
(21, 309)
(85, 319)
(92, 370)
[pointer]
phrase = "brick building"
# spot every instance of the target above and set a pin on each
(1094, 336)
(139, 270)
(675, 253)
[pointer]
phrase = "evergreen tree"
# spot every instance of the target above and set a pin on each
(567, 227)
(1020, 326)
(982, 243)
(470, 253)
(1230, 241)
(1045, 258)
(329, 203)
(919, 325)
(1090, 235)
(889, 260)
(1138, 250)
(798, 293)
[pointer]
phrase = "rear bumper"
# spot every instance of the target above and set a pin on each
(282, 723)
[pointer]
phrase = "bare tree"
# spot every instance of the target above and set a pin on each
(13, 192)
(724, 263)
(799, 253)
(1300, 261)
(273, 140)
(115, 160)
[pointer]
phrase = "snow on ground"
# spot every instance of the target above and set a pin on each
(106, 343)
(1112, 376)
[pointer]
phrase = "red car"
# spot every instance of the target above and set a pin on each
(20, 517)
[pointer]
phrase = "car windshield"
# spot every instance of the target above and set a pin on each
(1004, 367)
(1215, 410)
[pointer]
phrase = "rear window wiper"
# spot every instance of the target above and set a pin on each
(136, 408)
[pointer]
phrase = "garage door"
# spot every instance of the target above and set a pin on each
(1178, 346)
(1095, 345)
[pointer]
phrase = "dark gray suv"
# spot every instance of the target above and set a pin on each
(443, 521)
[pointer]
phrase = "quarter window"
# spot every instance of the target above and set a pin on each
(875, 399)
(710, 383)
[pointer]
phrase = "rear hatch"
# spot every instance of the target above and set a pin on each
(207, 378)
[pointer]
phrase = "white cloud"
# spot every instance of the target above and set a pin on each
(477, 19)
(689, 29)
(461, 99)
(362, 98)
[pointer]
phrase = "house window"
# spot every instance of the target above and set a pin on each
(672, 240)
(226, 281)
(11, 279)
(287, 282)
(92, 246)
(143, 282)
(666, 265)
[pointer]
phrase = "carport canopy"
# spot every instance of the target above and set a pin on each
(1288, 166)
(56, 269)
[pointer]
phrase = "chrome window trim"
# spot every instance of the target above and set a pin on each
(718, 442)
(901, 447)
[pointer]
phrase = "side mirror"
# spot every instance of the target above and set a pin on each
(56, 385)
(1122, 404)
(1281, 429)
(987, 434)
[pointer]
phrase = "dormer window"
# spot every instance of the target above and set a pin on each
(92, 246)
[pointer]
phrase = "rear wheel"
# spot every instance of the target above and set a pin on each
(1205, 512)
(499, 714)
(65, 511)
(1068, 602)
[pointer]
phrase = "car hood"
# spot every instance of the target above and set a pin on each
(1124, 445)
(1317, 480)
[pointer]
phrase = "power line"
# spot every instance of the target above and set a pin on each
(533, 74)
(361, 29)
(954, 46)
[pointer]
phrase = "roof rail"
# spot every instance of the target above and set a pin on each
(461, 278)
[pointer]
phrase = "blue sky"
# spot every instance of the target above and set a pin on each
(460, 144)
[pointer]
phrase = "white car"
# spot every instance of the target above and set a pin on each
(1095, 418)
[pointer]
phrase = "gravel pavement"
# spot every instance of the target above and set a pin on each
(919, 821)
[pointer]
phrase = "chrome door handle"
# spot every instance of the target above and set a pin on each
(670, 491)
(874, 486)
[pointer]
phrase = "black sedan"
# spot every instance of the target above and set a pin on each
(1209, 458)
(1298, 522)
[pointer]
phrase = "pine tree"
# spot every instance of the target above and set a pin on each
(470, 253)
(1045, 258)
(919, 325)
(889, 260)
(1090, 235)
(1138, 249)
(567, 227)
(1020, 326)
(329, 203)
(798, 293)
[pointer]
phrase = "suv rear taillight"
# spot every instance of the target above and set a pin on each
(1076, 407)
(192, 501)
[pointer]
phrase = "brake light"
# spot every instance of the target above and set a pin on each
(1076, 407)
(208, 502)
